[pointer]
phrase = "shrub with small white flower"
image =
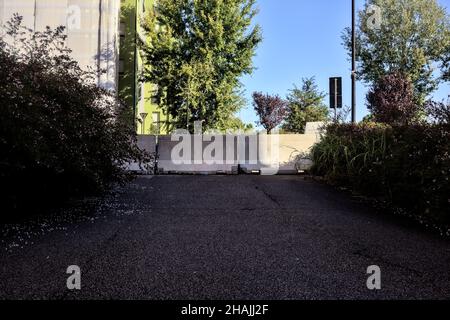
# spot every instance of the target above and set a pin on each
(60, 134)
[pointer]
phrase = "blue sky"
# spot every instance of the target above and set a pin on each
(302, 38)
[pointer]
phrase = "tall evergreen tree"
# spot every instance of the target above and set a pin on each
(198, 50)
(306, 104)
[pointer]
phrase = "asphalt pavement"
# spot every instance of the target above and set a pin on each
(223, 237)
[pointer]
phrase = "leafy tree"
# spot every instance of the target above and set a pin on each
(234, 124)
(368, 118)
(305, 105)
(391, 100)
(413, 37)
(60, 134)
(272, 110)
(439, 111)
(446, 65)
(198, 50)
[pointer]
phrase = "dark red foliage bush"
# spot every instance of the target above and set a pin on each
(272, 110)
(391, 100)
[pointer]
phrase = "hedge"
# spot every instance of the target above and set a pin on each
(406, 166)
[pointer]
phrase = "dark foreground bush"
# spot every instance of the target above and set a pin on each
(60, 134)
(407, 166)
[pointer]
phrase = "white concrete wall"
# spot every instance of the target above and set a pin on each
(281, 159)
(92, 28)
(292, 147)
(166, 163)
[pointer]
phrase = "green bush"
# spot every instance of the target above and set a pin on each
(407, 166)
(60, 134)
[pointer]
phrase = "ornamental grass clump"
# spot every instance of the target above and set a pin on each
(407, 166)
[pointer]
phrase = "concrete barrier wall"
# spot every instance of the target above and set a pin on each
(147, 143)
(293, 147)
(224, 153)
(192, 155)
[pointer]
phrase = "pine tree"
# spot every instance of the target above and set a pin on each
(305, 105)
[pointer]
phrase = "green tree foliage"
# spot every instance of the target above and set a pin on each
(60, 134)
(413, 37)
(306, 104)
(197, 52)
(446, 65)
(438, 112)
(234, 125)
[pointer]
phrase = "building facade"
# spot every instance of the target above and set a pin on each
(92, 30)
(150, 118)
(102, 35)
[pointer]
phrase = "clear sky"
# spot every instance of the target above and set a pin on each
(302, 38)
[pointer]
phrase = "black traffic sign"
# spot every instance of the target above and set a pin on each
(336, 93)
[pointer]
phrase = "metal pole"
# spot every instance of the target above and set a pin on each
(353, 62)
(135, 111)
(187, 103)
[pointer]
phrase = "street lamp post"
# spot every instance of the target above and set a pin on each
(135, 63)
(143, 116)
(353, 62)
